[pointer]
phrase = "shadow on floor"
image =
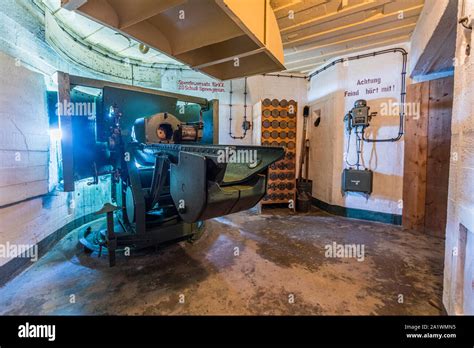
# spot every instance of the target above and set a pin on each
(247, 264)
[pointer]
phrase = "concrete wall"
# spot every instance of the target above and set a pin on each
(31, 208)
(426, 26)
(29, 212)
(272, 87)
(326, 148)
(184, 82)
(458, 292)
(24, 139)
(19, 18)
(258, 88)
(330, 92)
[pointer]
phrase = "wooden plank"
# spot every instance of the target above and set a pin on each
(132, 12)
(311, 62)
(355, 30)
(438, 155)
(315, 16)
(416, 143)
(248, 14)
(395, 6)
(102, 11)
(328, 45)
(205, 24)
(427, 157)
(300, 8)
(176, 30)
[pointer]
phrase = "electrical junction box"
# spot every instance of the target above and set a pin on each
(360, 116)
(355, 180)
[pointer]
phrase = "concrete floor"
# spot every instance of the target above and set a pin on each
(281, 257)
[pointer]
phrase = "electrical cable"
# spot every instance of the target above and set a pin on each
(109, 55)
(402, 107)
(402, 86)
(347, 150)
(245, 111)
(358, 149)
(464, 20)
(291, 76)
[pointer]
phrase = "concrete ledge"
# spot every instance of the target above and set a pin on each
(17, 265)
(433, 41)
(361, 214)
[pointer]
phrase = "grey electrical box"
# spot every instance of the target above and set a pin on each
(360, 116)
(355, 180)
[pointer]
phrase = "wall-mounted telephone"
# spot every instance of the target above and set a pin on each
(356, 179)
(359, 115)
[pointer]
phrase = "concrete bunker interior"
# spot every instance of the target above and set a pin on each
(224, 157)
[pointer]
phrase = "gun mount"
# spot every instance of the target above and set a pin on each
(168, 175)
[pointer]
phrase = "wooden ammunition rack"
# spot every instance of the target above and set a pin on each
(279, 129)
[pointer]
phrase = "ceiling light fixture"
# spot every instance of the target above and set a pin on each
(143, 48)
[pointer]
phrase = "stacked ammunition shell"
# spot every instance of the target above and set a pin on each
(279, 129)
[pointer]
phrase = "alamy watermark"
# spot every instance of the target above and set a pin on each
(27, 251)
(231, 155)
(391, 108)
(335, 250)
(28, 330)
(68, 108)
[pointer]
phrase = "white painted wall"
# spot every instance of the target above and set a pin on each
(325, 149)
(258, 88)
(272, 87)
(328, 93)
(171, 82)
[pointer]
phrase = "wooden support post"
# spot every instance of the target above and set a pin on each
(65, 124)
(427, 156)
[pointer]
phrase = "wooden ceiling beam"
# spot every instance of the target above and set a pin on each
(283, 4)
(335, 23)
(297, 7)
(315, 50)
(401, 5)
(103, 12)
(317, 20)
(341, 50)
(376, 23)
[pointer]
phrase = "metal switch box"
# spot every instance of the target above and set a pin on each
(354, 180)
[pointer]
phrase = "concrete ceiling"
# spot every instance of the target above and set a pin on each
(316, 31)
(92, 33)
(313, 31)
